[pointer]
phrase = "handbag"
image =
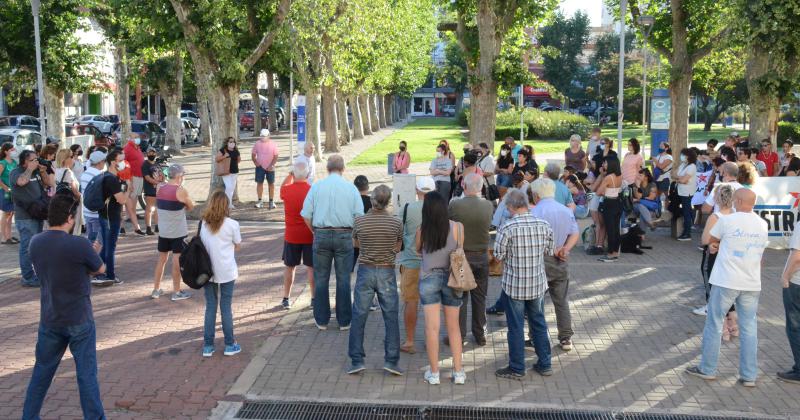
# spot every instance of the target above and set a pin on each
(461, 278)
(223, 167)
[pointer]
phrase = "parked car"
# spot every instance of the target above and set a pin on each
(22, 138)
(246, 121)
(189, 133)
(20, 121)
(100, 138)
(449, 110)
(191, 116)
(99, 121)
(112, 118)
(549, 108)
(149, 132)
(587, 110)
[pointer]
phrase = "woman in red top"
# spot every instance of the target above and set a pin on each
(298, 238)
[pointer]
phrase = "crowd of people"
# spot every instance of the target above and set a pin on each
(496, 211)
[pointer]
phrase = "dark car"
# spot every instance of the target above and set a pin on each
(20, 121)
(148, 131)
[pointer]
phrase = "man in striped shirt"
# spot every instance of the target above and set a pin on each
(378, 234)
(522, 244)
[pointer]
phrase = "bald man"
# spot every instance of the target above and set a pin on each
(739, 240)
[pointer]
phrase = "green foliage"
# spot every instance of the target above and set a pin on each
(509, 71)
(453, 72)
(462, 118)
(788, 130)
(503, 131)
(719, 78)
(607, 44)
(540, 124)
(608, 75)
(421, 135)
(566, 36)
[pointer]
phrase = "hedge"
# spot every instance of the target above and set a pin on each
(788, 130)
(503, 131)
(538, 124)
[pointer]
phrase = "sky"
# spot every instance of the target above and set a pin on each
(591, 7)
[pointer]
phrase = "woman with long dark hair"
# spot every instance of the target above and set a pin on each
(687, 186)
(503, 168)
(436, 239)
(611, 208)
(230, 151)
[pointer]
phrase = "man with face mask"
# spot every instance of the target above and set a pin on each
(152, 175)
(135, 157)
(97, 162)
(115, 194)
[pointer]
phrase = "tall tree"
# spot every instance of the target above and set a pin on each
(481, 27)
(719, 83)
(564, 38)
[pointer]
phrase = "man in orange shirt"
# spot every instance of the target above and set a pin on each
(298, 238)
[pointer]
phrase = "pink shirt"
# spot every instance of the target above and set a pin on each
(630, 167)
(401, 162)
(265, 152)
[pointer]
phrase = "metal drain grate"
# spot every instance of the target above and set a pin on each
(649, 416)
(491, 413)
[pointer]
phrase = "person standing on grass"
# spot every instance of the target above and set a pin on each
(222, 238)
(791, 304)
(378, 234)
(63, 263)
(297, 239)
(441, 169)
(265, 156)
(521, 245)
(172, 202)
(409, 260)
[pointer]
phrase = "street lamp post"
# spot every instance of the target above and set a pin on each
(39, 79)
(623, 7)
(646, 23)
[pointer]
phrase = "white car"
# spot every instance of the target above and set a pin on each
(21, 138)
(102, 123)
(189, 133)
(191, 116)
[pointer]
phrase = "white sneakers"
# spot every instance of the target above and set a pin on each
(701, 311)
(459, 378)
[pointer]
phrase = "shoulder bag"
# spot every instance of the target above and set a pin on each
(223, 167)
(461, 277)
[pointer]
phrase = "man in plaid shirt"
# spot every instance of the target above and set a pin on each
(522, 244)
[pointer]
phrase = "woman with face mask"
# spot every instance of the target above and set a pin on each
(153, 176)
(77, 160)
(504, 168)
(8, 162)
(230, 151)
(687, 185)
(441, 169)
(402, 159)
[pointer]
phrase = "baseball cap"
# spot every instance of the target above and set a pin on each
(735, 133)
(425, 184)
(97, 157)
(264, 132)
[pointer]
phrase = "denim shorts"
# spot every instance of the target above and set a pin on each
(504, 180)
(433, 289)
(262, 173)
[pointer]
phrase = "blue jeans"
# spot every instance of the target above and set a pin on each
(719, 301)
(687, 214)
(516, 311)
(791, 303)
(332, 247)
(226, 297)
(93, 229)
(50, 347)
(27, 228)
(109, 229)
(369, 281)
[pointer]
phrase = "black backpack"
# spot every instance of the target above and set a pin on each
(195, 262)
(626, 199)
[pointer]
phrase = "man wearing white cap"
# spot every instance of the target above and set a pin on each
(265, 156)
(410, 260)
(97, 163)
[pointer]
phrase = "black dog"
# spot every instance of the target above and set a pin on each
(631, 242)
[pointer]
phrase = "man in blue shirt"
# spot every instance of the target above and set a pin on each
(63, 263)
(565, 236)
(562, 194)
(329, 211)
(515, 148)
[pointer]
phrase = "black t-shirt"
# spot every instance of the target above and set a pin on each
(234, 154)
(149, 169)
(598, 159)
(367, 203)
(527, 167)
(63, 263)
(112, 185)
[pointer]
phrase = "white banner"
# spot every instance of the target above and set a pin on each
(778, 199)
(700, 194)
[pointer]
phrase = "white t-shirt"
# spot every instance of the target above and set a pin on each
(220, 249)
(86, 177)
(660, 160)
(743, 237)
(688, 189)
(486, 165)
(591, 148)
(795, 246)
(710, 196)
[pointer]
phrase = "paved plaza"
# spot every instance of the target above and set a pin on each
(634, 335)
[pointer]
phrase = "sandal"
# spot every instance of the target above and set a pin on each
(408, 348)
(9, 242)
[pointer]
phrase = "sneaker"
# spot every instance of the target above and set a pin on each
(695, 371)
(529, 345)
(208, 351)
(233, 349)
(102, 282)
(595, 250)
(259, 204)
(344, 327)
(181, 296)
(746, 383)
(394, 370)
(373, 308)
(494, 310)
(684, 238)
(117, 280)
(122, 231)
(566, 344)
(701, 311)
(431, 378)
(507, 373)
(459, 377)
(156, 293)
(155, 228)
(285, 304)
(542, 371)
(139, 232)
(356, 368)
(608, 259)
(791, 376)
(321, 327)
(149, 231)
(271, 205)
(33, 283)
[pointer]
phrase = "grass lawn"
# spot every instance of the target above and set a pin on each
(422, 136)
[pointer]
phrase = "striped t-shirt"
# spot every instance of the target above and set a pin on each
(377, 232)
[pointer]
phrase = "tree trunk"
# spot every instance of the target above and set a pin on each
(679, 89)
(403, 106)
(139, 99)
(387, 109)
(204, 108)
(172, 100)
(381, 110)
(764, 106)
(122, 92)
(355, 110)
(366, 116)
(459, 101)
(341, 113)
(483, 105)
(54, 110)
(256, 99)
(374, 118)
(329, 116)
(272, 106)
(312, 120)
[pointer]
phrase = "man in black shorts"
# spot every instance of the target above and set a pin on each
(298, 238)
(172, 201)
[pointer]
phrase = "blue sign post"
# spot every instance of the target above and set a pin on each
(659, 118)
(301, 119)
